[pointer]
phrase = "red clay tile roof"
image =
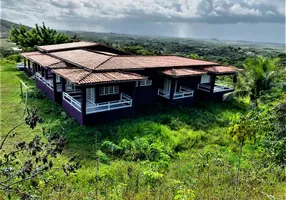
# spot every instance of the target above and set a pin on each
(43, 59)
(59, 65)
(98, 62)
(139, 62)
(221, 69)
(82, 58)
(73, 75)
(66, 46)
(181, 72)
(106, 53)
(83, 77)
(26, 54)
(106, 77)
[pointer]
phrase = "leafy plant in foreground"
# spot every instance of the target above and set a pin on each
(27, 163)
(243, 128)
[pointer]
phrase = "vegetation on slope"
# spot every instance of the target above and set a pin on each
(225, 52)
(178, 152)
(165, 152)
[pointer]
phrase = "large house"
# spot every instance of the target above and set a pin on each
(95, 83)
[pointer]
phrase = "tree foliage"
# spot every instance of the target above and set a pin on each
(28, 163)
(260, 76)
(276, 141)
(40, 35)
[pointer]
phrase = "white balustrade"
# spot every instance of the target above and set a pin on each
(124, 102)
(217, 88)
(72, 101)
(47, 82)
(184, 92)
(164, 93)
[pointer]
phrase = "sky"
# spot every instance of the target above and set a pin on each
(248, 20)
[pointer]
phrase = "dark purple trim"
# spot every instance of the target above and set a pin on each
(45, 89)
(72, 111)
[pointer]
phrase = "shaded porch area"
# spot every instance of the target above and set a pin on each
(75, 100)
(179, 85)
(217, 83)
(46, 85)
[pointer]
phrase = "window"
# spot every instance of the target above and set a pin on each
(205, 78)
(108, 90)
(167, 84)
(69, 86)
(58, 78)
(90, 94)
(146, 82)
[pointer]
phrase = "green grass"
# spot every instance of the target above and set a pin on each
(162, 153)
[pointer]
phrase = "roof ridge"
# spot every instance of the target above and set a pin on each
(103, 62)
(55, 63)
(84, 76)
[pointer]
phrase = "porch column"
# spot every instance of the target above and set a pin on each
(42, 71)
(33, 67)
(46, 73)
(54, 85)
(213, 77)
(63, 82)
(234, 80)
(29, 64)
(83, 104)
(133, 96)
(172, 90)
(25, 62)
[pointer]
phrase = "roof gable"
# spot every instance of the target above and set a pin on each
(66, 46)
(82, 58)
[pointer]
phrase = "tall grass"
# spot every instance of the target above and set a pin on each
(163, 153)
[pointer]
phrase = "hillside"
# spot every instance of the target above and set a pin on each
(165, 152)
(5, 27)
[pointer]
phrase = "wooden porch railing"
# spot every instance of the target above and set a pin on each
(164, 93)
(44, 81)
(184, 92)
(70, 98)
(124, 102)
(217, 88)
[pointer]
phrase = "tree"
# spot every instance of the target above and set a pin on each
(243, 128)
(276, 141)
(40, 35)
(139, 50)
(26, 165)
(261, 75)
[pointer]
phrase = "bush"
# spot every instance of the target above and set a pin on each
(14, 57)
(4, 52)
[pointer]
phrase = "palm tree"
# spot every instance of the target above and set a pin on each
(261, 75)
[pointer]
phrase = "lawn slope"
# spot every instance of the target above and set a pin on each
(163, 153)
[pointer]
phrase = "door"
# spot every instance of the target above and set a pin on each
(167, 85)
(90, 95)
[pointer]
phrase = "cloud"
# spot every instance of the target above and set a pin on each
(237, 9)
(165, 17)
(225, 11)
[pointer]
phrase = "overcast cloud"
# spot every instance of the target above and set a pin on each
(255, 20)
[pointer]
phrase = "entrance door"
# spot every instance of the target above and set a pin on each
(167, 85)
(90, 95)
